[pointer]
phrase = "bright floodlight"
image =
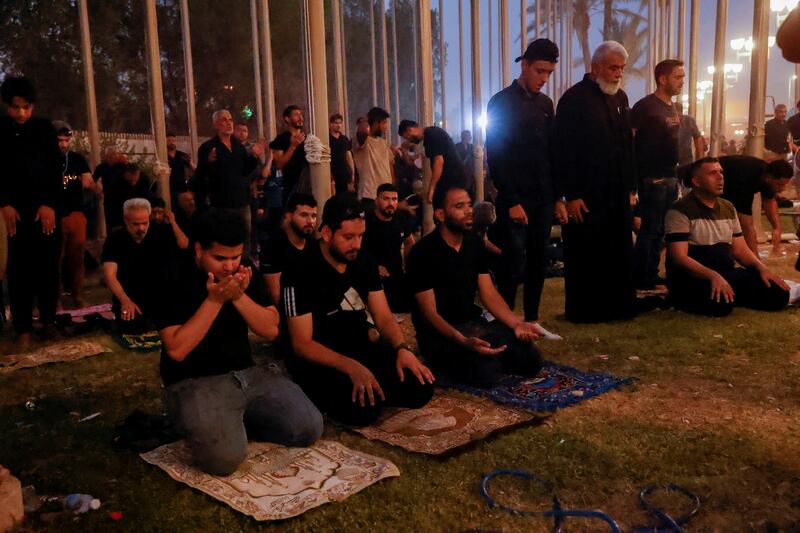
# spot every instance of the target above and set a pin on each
(483, 121)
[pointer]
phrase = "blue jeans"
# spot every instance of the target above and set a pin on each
(656, 196)
(216, 414)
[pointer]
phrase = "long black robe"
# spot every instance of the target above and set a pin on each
(594, 162)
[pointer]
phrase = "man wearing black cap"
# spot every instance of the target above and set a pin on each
(330, 303)
(519, 145)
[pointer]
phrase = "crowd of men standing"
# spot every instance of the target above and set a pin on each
(246, 247)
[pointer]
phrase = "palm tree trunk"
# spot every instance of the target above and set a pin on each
(582, 31)
(608, 12)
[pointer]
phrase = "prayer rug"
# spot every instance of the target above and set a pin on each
(450, 420)
(83, 311)
(554, 388)
(55, 353)
(142, 342)
(275, 482)
(647, 293)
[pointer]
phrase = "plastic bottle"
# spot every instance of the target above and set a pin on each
(76, 503)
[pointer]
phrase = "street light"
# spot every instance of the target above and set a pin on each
(782, 8)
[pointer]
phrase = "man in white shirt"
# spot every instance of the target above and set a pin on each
(373, 156)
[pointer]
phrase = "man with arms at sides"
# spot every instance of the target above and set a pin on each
(130, 256)
(446, 167)
(445, 269)
(373, 156)
(289, 245)
(656, 125)
(595, 164)
(342, 166)
(215, 394)
(389, 241)
(328, 304)
(289, 150)
(519, 146)
(705, 243)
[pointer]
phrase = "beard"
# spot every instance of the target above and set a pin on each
(609, 88)
(388, 213)
(300, 232)
(458, 226)
(343, 257)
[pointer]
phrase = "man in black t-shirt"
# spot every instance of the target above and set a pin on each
(777, 141)
(129, 183)
(445, 270)
(744, 177)
(286, 249)
(76, 179)
(330, 305)
(131, 256)
(289, 150)
(180, 167)
(656, 125)
(342, 165)
(446, 165)
(215, 394)
(388, 241)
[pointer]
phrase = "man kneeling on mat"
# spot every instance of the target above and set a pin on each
(328, 301)
(215, 394)
(445, 269)
(705, 242)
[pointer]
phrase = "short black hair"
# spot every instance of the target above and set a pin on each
(336, 116)
(340, 208)
(18, 86)
(157, 202)
(219, 226)
(290, 109)
(665, 68)
(440, 194)
(130, 168)
(171, 134)
(297, 199)
(386, 187)
(779, 169)
(687, 172)
(404, 125)
(376, 114)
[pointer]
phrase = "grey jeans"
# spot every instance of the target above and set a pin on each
(216, 414)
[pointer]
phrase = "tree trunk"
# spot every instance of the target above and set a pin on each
(607, 18)
(582, 31)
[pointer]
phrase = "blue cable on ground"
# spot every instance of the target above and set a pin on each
(667, 524)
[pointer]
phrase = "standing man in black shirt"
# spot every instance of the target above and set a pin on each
(519, 148)
(466, 152)
(342, 165)
(77, 178)
(328, 304)
(30, 188)
(180, 168)
(445, 270)
(388, 240)
(745, 176)
(289, 150)
(656, 125)
(777, 140)
(130, 257)
(215, 394)
(595, 164)
(446, 167)
(288, 246)
(129, 183)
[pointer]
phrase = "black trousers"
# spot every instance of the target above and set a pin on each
(524, 259)
(465, 366)
(694, 294)
(332, 391)
(598, 265)
(33, 260)
(398, 294)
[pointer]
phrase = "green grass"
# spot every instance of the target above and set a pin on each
(718, 415)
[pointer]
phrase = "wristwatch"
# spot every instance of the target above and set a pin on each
(403, 346)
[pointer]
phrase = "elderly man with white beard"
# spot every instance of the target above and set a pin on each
(594, 161)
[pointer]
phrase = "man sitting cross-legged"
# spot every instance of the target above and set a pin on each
(289, 244)
(705, 242)
(328, 302)
(131, 256)
(445, 269)
(214, 393)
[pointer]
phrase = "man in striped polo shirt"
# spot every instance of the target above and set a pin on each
(704, 244)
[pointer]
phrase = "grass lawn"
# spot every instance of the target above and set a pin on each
(715, 409)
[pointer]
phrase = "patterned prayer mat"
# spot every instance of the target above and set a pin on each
(83, 311)
(554, 388)
(275, 482)
(450, 420)
(647, 293)
(64, 351)
(143, 342)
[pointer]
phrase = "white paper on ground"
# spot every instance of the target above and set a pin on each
(794, 290)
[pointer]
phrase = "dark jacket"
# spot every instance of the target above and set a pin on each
(31, 169)
(226, 181)
(518, 146)
(594, 146)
